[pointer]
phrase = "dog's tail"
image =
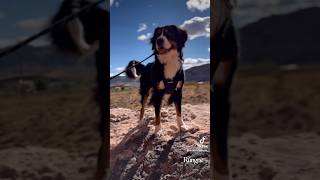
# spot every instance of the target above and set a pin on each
(134, 69)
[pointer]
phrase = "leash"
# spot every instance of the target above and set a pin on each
(47, 30)
(112, 77)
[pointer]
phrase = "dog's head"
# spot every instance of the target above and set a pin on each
(168, 38)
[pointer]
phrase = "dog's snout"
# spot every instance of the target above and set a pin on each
(160, 41)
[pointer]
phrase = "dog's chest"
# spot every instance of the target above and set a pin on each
(171, 63)
(171, 69)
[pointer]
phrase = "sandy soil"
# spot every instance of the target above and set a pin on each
(293, 157)
(274, 126)
(38, 163)
(51, 135)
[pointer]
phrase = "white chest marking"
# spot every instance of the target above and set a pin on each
(171, 69)
(171, 62)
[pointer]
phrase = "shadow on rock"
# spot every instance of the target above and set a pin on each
(143, 155)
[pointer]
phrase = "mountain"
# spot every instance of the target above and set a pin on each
(123, 80)
(194, 74)
(31, 60)
(198, 73)
(282, 39)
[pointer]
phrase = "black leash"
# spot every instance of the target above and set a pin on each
(131, 67)
(47, 30)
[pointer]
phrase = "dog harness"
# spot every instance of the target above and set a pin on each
(171, 84)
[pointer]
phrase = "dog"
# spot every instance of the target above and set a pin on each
(163, 76)
(89, 32)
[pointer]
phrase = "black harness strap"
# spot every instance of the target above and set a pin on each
(171, 84)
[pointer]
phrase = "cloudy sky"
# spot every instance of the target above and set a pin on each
(19, 19)
(22, 18)
(248, 11)
(133, 23)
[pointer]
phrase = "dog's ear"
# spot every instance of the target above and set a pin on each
(154, 37)
(183, 37)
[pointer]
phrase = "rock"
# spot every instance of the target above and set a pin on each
(140, 154)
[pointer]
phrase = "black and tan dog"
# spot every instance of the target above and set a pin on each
(163, 76)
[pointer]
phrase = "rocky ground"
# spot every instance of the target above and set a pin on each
(281, 158)
(137, 153)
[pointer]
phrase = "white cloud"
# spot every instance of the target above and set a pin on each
(193, 62)
(142, 27)
(117, 4)
(197, 27)
(33, 24)
(249, 11)
(208, 49)
(144, 37)
(119, 68)
(200, 5)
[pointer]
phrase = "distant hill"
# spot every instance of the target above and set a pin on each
(31, 60)
(123, 80)
(283, 39)
(198, 73)
(194, 74)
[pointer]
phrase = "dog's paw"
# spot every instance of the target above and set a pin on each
(183, 128)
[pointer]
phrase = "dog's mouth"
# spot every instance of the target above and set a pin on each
(162, 50)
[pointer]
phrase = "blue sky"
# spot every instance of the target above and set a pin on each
(133, 23)
(22, 18)
(19, 19)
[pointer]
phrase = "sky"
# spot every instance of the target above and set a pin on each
(133, 23)
(20, 19)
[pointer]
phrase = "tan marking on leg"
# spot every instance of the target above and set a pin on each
(161, 85)
(179, 119)
(179, 85)
(144, 101)
(157, 122)
(157, 126)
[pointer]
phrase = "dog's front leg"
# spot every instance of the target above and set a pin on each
(143, 104)
(157, 107)
(177, 103)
